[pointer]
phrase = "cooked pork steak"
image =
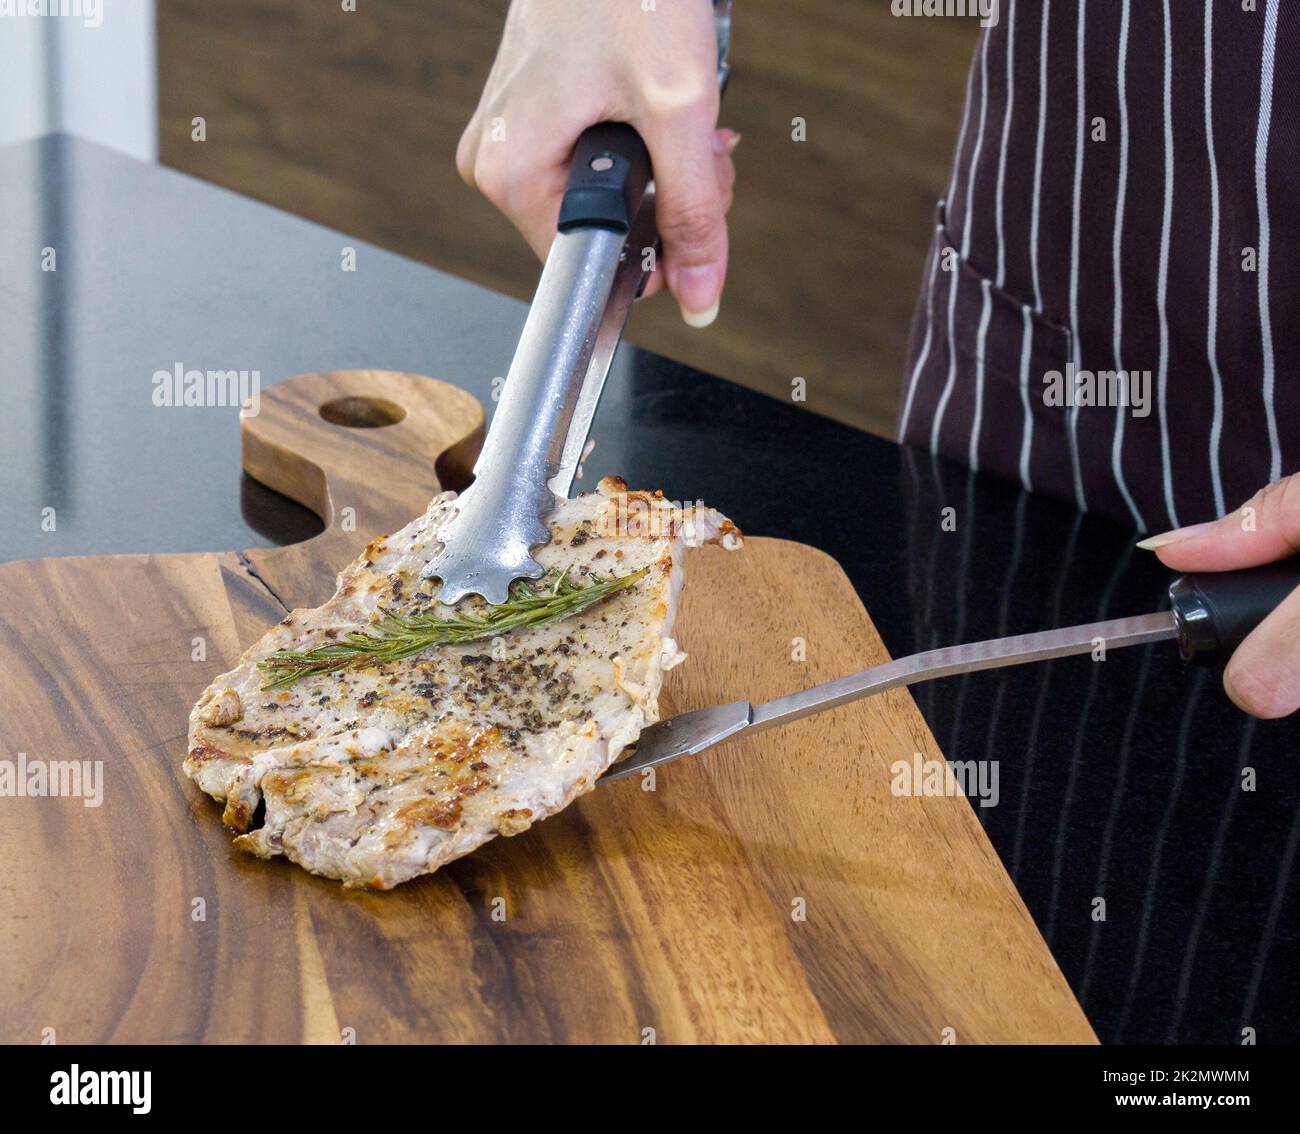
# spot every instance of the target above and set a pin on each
(374, 773)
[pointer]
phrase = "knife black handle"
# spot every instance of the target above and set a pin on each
(1215, 610)
(607, 179)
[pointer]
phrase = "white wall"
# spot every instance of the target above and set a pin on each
(90, 70)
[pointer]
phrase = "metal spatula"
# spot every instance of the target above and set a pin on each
(593, 273)
(1210, 614)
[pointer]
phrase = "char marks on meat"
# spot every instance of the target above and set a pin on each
(375, 775)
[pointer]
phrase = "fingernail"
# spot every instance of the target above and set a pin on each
(725, 141)
(697, 289)
(1151, 543)
(701, 319)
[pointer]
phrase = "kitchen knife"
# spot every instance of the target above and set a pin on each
(1210, 614)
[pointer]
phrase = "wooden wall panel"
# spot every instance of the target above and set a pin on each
(352, 119)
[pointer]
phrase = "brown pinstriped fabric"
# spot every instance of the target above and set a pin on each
(1100, 218)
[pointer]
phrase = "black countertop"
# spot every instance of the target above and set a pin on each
(1120, 782)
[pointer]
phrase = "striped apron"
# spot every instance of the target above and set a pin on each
(1110, 310)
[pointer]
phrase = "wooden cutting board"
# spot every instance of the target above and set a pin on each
(773, 889)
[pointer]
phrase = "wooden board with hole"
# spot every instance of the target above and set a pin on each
(773, 889)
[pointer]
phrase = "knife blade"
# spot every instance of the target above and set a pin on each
(693, 732)
(1211, 613)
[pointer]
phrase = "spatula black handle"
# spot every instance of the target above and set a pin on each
(607, 179)
(1216, 610)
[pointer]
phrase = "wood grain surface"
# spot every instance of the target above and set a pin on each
(773, 889)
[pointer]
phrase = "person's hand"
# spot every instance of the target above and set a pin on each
(1263, 677)
(564, 65)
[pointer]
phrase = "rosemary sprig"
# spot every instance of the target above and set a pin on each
(393, 636)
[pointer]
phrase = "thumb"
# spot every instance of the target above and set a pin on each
(691, 217)
(1264, 529)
